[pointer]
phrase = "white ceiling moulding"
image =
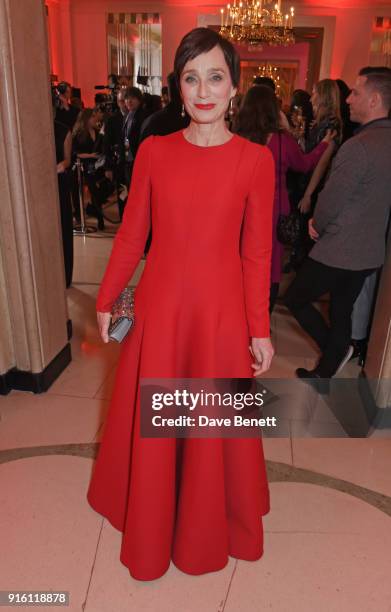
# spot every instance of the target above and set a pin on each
(305, 21)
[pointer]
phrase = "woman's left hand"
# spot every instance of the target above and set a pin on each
(262, 350)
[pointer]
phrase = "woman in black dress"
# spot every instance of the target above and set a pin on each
(325, 102)
(87, 144)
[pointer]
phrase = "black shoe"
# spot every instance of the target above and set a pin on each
(312, 377)
(359, 350)
(101, 224)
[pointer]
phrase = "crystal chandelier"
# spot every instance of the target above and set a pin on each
(258, 22)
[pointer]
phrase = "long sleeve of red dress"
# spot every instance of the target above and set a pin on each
(257, 246)
(130, 240)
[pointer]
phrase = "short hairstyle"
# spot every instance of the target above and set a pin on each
(371, 69)
(202, 40)
(133, 92)
(266, 81)
(381, 83)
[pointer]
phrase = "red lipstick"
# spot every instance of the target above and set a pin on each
(205, 106)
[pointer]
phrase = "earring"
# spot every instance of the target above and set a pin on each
(231, 111)
(183, 113)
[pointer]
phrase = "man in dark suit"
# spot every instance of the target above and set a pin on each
(66, 113)
(171, 118)
(349, 227)
(132, 127)
(113, 146)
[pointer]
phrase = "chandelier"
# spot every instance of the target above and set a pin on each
(255, 23)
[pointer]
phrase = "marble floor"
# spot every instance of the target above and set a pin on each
(327, 537)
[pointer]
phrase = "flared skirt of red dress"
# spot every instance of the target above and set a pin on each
(193, 501)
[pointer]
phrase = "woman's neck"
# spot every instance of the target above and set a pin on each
(207, 134)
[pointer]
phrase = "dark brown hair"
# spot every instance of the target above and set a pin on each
(329, 100)
(133, 92)
(259, 114)
(80, 129)
(202, 40)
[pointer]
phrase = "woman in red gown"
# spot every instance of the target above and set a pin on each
(202, 300)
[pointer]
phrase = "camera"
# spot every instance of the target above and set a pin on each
(107, 100)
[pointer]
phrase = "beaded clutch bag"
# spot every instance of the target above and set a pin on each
(122, 315)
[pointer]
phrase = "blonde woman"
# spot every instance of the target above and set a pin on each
(325, 102)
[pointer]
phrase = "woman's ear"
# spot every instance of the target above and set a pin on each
(234, 91)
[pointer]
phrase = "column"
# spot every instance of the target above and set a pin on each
(34, 346)
(377, 368)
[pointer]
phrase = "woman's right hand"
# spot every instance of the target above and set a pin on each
(103, 319)
(330, 135)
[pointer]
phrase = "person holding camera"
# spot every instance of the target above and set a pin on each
(66, 113)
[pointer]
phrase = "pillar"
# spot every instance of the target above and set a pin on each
(34, 346)
(377, 368)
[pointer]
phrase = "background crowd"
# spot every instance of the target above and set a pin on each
(304, 138)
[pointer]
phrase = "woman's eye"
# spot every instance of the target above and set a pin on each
(189, 79)
(217, 77)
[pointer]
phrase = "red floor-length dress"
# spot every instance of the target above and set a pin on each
(203, 293)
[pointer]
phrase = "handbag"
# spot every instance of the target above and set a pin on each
(123, 311)
(289, 227)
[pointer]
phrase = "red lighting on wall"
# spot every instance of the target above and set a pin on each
(382, 23)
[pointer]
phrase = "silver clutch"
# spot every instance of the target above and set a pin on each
(122, 315)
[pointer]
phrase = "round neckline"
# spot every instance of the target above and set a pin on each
(233, 137)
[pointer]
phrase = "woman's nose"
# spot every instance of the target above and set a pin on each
(202, 89)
